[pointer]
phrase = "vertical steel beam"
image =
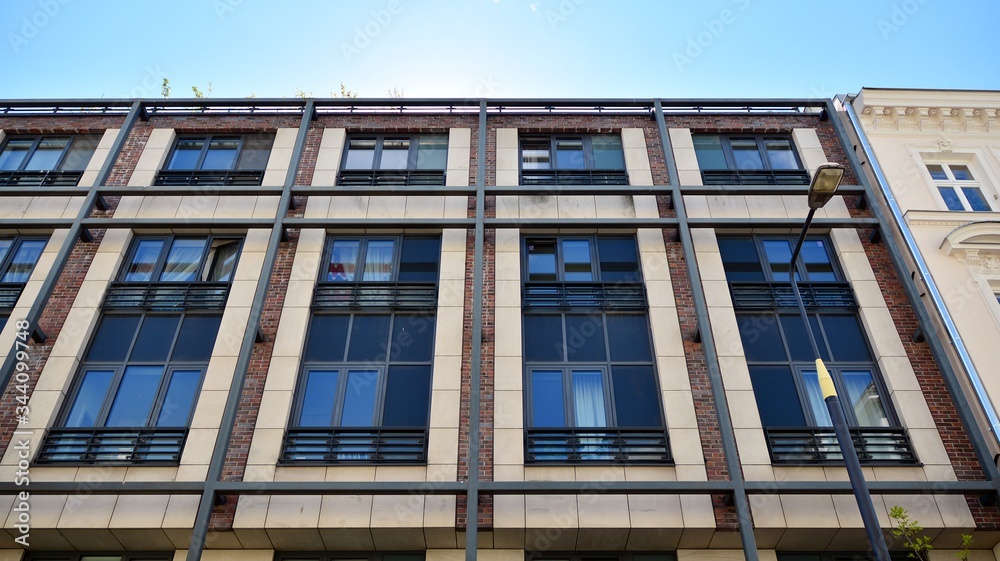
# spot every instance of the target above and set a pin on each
(49, 284)
(726, 432)
(222, 441)
(472, 498)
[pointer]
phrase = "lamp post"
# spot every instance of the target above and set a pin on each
(824, 185)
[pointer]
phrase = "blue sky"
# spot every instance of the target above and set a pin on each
(495, 48)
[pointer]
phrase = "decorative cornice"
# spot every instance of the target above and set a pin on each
(930, 119)
(948, 218)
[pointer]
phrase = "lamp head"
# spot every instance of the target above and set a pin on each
(824, 184)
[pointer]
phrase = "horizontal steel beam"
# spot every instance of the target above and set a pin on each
(578, 190)
(792, 223)
(192, 190)
(380, 223)
(179, 223)
(40, 224)
(762, 190)
(588, 223)
(44, 191)
(342, 487)
(105, 488)
(382, 190)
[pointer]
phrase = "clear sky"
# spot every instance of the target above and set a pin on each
(495, 48)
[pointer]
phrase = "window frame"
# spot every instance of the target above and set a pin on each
(759, 139)
(554, 138)
(957, 186)
(208, 138)
(16, 243)
(362, 257)
(801, 269)
(37, 140)
(168, 241)
(412, 151)
(595, 257)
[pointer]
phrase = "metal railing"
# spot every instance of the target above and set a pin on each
(818, 445)
(391, 177)
(9, 293)
(112, 446)
(770, 295)
(402, 445)
(40, 178)
(198, 177)
(166, 296)
(558, 295)
(614, 445)
(395, 295)
(574, 177)
(755, 177)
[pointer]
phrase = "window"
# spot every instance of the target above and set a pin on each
(217, 160)
(364, 392)
(415, 159)
(103, 556)
(51, 161)
(750, 160)
(181, 259)
(591, 390)
(596, 159)
(780, 357)
(17, 259)
(958, 188)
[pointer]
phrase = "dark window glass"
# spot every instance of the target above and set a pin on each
(183, 260)
(256, 151)
(186, 154)
(318, 398)
(155, 338)
(222, 260)
(951, 198)
(608, 153)
(777, 397)
(48, 153)
(144, 258)
(111, 342)
(134, 400)
(977, 201)
(327, 338)
(746, 155)
(90, 396)
(423, 151)
(761, 338)
(628, 336)
(577, 260)
(407, 396)
(637, 399)
(24, 259)
(739, 256)
(432, 151)
(369, 336)
(360, 154)
(547, 399)
(569, 153)
(419, 259)
(847, 340)
(619, 260)
(197, 338)
(543, 338)
(816, 257)
(541, 260)
(359, 402)
(13, 153)
(797, 338)
(588, 152)
(179, 401)
(220, 153)
(709, 151)
(585, 338)
(779, 255)
(412, 339)
(781, 154)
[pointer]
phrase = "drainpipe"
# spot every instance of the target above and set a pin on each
(925, 274)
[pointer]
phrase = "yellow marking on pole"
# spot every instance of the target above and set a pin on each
(825, 380)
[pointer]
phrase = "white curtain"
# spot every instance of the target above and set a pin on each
(863, 397)
(183, 260)
(588, 399)
(815, 397)
(378, 261)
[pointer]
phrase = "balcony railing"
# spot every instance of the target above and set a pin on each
(561, 295)
(9, 293)
(245, 178)
(391, 177)
(401, 445)
(815, 445)
(574, 177)
(770, 295)
(395, 295)
(40, 178)
(166, 296)
(755, 177)
(112, 446)
(608, 445)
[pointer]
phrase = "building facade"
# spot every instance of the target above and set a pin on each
(377, 329)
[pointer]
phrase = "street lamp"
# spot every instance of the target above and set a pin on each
(824, 185)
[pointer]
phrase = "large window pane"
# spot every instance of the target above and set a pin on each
(708, 149)
(816, 256)
(569, 153)
(535, 154)
(745, 154)
(543, 338)
(781, 154)
(739, 257)
(937, 172)
(779, 255)
(585, 338)
(797, 338)
(369, 337)
(343, 260)
(407, 396)
(221, 154)
(619, 260)
(223, 261)
(977, 201)
(379, 260)
(112, 340)
(608, 152)
(144, 259)
(359, 399)
(186, 154)
(80, 152)
(394, 153)
(577, 260)
(89, 398)
(154, 340)
(197, 338)
(135, 396)
(951, 199)
(432, 151)
(181, 395)
(547, 405)
(761, 338)
(541, 261)
(47, 154)
(24, 261)
(777, 398)
(256, 151)
(418, 260)
(961, 173)
(847, 339)
(814, 397)
(318, 399)
(360, 154)
(327, 339)
(5, 246)
(637, 399)
(863, 397)
(628, 336)
(588, 399)
(412, 339)
(183, 260)
(13, 154)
